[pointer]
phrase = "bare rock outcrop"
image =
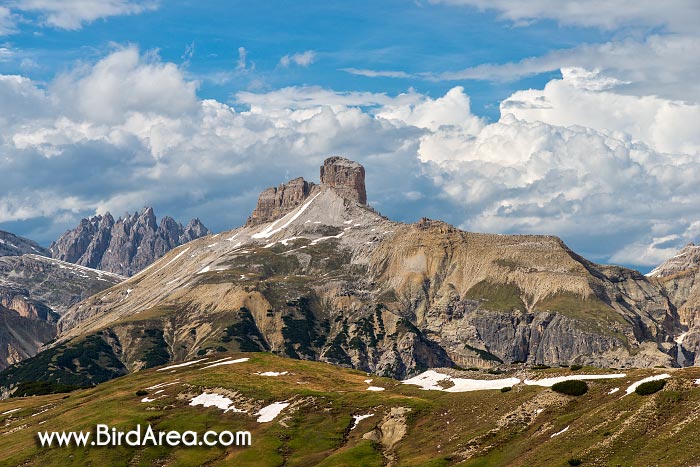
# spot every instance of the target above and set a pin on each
(346, 177)
(125, 246)
(275, 202)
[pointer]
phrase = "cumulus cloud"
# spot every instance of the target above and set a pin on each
(302, 59)
(102, 138)
(73, 14)
(581, 97)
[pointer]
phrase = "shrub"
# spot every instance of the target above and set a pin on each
(574, 461)
(506, 389)
(141, 393)
(540, 367)
(650, 387)
(575, 367)
(571, 387)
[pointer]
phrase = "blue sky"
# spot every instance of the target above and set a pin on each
(414, 38)
(573, 118)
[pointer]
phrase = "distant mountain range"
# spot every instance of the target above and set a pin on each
(124, 246)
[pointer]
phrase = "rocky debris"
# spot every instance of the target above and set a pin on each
(34, 292)
(275, 202)
(346, 177)
(389, 432)
(125, 246)
(12, 245)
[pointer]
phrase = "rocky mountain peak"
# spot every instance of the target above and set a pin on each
(124, 246)
(687, 259)
(343, 176)
(346, 177)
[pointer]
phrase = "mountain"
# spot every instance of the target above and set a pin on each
(679, 277)
(124, 246)
(302, 413)
(333, 280)
(12, 245)
(34, 292)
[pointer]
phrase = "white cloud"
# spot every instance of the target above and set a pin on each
(101, 138)
(242, 55)
(313, 97)
(7, 22)
(377, 73)
(303, 59)
(73, 14)
(676, 15)
(582, 98)
(122, 83)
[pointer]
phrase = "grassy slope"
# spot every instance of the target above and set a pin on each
(661, 429)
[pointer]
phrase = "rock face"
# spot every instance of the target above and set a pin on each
(680, 278)
(346, 177)
(275, 202)
(125, 246)
(34, 292)
(337, 282)
(12, 245)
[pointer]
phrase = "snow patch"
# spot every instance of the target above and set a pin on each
(268, 413)
(375, 388)
(227, 362)
(172, 260)
(560, 432)
(613, 391)
(180, 365)
(634, 386)
(429, 381)
(215, 400)
(270, 230)
(271, 373)
(359, 418)
(10, 411)
(549, 382)
(162, 385)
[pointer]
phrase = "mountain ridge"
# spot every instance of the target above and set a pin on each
(126, 245)
(330, 279)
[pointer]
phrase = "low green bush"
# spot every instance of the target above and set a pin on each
(141, 393)
(650, 387)
(506, 389)
(575, 367)
(571, 387)
(574, 461)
